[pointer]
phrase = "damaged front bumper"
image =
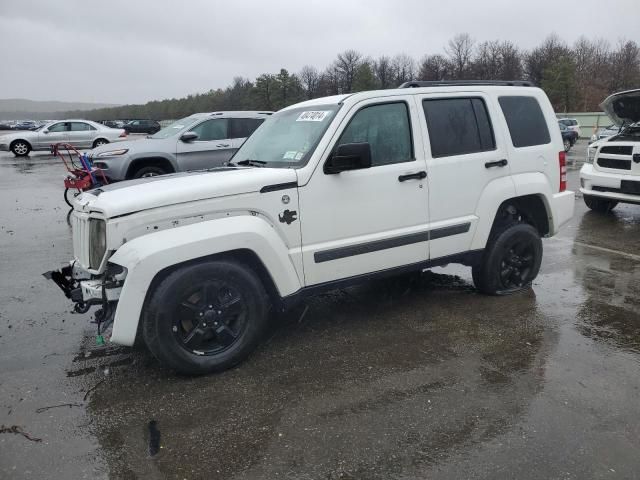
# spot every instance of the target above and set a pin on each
(86, 290)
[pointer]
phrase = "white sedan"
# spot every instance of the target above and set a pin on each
(79, 133)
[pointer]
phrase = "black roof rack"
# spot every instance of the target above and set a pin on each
(465, 83)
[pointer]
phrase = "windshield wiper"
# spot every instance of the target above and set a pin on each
(252, 163)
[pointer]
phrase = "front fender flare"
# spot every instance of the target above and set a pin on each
(145, 257)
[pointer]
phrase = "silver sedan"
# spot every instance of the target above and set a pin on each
(79, 133)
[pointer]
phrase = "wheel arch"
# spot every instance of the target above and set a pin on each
(530, 209)
(154, 160)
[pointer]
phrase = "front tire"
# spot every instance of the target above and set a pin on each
(567, 144)
(20, 148)
(511, 260)
(149, 171)
(599, 205)
(206, 318)
(99, 142)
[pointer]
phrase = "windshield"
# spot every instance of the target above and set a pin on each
(288, 138)
(175, 127)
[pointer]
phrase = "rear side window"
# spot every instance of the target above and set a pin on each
(525, 120)
(80, 127)
(243, 127)
(458, 126)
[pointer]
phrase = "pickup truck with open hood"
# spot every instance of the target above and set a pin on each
(611, 174)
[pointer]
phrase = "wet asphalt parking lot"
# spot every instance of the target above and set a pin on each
(410, 377)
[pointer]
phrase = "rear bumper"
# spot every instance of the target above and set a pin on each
(4, 147)
(563, 207)
(591, 180)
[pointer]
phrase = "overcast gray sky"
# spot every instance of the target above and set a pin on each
(119, 51)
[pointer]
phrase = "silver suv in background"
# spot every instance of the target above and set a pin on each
(202, 140)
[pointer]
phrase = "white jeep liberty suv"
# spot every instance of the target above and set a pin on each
(324, 194)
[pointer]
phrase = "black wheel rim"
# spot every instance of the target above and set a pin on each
(517, 264)
(209, 318)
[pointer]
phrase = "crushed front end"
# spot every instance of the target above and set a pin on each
(89, 280)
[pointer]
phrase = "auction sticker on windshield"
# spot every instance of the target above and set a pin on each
(316, 116)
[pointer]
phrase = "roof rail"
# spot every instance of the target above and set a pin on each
(465, 83)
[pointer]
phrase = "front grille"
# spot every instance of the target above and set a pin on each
(614, 163)
(617, 149)
(80, 231)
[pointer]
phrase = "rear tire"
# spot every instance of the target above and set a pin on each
(567, 144)
(149, 171)
(511, 260)
(206, 318)
(20, 148)
(599, 205)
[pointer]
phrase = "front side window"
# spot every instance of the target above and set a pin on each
(212, 130)
(243, 127)
(289, 137)
(387, 130)
(59, 127)
(525, 120)
(458, 126)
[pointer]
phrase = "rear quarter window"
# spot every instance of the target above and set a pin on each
(526, 122)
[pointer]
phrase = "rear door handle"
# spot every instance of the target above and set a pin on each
(412, 176)
(497, 163)
(222, 145)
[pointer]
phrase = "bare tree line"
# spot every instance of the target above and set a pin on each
(575, 77)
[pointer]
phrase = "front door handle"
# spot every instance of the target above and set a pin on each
(497, 163)
(222, 145)
(412, 176)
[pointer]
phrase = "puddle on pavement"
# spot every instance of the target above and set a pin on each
(372, 377)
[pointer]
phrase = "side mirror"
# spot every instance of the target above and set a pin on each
(189, 136)
(45, 131)
(348, 156)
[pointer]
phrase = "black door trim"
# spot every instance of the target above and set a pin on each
(470, 258)
(377, 245)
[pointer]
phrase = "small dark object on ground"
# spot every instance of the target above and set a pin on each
(154, 438)
(44, 409)
(86, 395)
(18, 431)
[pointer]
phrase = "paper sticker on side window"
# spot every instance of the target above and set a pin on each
(316, 116)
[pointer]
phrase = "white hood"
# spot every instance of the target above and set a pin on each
(623, 107)
(146, 193)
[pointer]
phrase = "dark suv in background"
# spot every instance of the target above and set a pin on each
(142, 126)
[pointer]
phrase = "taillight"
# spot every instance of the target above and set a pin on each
(562, 163)
(123, 134)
